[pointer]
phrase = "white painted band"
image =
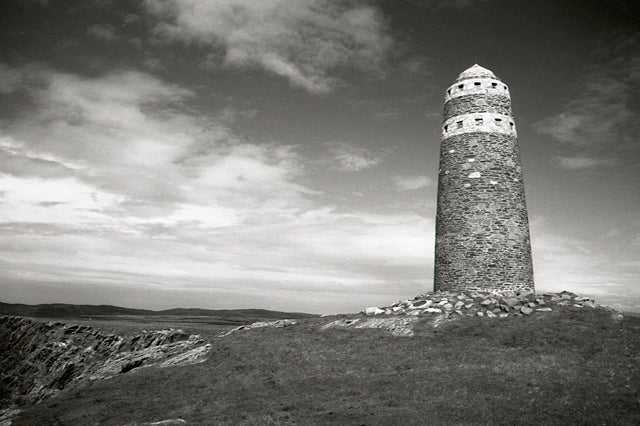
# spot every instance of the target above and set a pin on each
(475, 86)
(485, 122)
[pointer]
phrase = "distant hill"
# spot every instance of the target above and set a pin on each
(62, 310)
(261, 313)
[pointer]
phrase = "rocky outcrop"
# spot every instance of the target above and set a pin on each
(168, 422)
(41, 358)
(398, 326)
(260, 324)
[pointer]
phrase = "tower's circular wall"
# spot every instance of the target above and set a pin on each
(482, 229)
(473, 103)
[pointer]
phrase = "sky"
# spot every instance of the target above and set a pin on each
(283, 154)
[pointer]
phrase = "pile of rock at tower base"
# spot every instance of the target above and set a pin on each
(482, 303)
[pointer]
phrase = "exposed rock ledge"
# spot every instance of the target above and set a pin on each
(41, 358)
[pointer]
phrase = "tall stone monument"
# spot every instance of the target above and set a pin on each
(482, 229)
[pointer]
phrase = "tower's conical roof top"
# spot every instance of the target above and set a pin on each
(476, 71)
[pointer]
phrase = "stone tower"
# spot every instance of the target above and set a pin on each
(482, 229)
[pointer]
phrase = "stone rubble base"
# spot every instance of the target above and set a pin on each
(482, 303)
(443, 306)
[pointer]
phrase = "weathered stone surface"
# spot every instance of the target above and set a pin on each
(526, 310)
(482, 229)
(398, 326)
(510, 301)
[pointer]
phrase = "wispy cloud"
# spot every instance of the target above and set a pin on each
(578, 163)
(104, 31)
(351, 157)
(409, 183)
(460, 5)
(300, 41)
(569, 263)
(117, 179)
(597, 124)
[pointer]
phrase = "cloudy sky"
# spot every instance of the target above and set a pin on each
(283, 154)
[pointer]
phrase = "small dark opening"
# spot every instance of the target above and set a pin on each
(511, 124)
(459, 124)
(494, 85)
(477, 83)
(449, 91)
(478, 121)
(505, 87)
(460, 86)
(498, 120)
(445, 128)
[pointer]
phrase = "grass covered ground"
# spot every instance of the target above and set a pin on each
(570, 366)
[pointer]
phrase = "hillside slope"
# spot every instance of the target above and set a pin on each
(570, 365)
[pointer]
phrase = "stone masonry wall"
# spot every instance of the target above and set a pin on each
(474, 103)
(482, 229)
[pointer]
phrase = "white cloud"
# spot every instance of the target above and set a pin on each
(129, 134)
(351, 157)
(578, 265)
(116, 180)
(394, 239)
(53, 201)
(579, 163)
(302, 41)
(409, 183)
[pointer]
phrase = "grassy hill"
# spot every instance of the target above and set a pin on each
(569, 366)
